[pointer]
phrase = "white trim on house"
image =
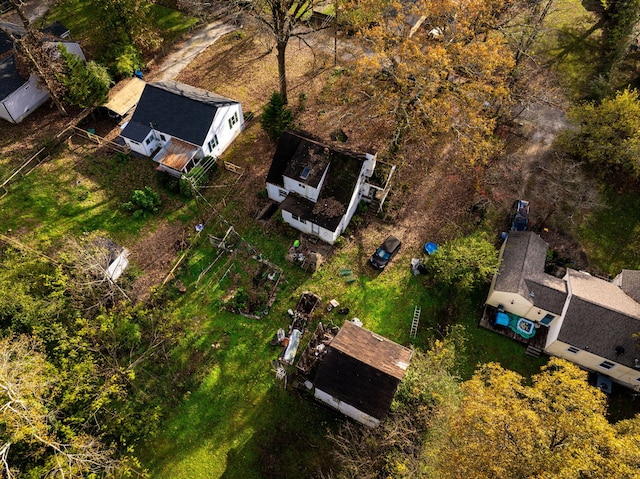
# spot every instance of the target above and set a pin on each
(345, 408)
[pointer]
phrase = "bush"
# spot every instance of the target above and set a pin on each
(193, 181)
(168, 182)
(127, 60)
(276, 117)
(86, 84)
(142, 202)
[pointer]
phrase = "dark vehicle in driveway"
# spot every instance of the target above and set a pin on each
(385, 252)
(520, 215)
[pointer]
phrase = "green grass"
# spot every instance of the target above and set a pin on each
(611, 234)
(570, 41)
(80, 18)
(77, 194)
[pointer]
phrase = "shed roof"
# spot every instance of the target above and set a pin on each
(125, 95)
(522, 272)
(180, 110)
(363, 369)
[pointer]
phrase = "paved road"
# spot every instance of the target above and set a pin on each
(184, 53)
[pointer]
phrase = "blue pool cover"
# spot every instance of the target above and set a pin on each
(502, 319)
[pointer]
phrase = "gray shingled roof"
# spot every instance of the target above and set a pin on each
(135, 131)
(362, 369)
(10, 79)
(629, 281)
(179, 110)
(600, 318)
(522, 272)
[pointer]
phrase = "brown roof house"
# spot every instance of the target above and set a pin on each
(583, 319)
(179, 125)
(317, 185)
(359, 373)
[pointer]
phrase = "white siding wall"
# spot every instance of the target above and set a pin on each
(24, 100)
(306, 191)
(220, 127)
(346, 409)
(273, 191)
(299, 225)
(619, 373)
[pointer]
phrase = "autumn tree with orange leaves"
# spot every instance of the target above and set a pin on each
(439, 67)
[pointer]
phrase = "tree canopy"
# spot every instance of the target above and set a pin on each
(554, 428)
(438, 67)
(464, 262)
(607, 134)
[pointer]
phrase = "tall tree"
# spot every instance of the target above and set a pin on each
(281, 18)
(607, 134)
(464, 262)
(437, 66)
(27, 389)
(40, 57)
(554, 428)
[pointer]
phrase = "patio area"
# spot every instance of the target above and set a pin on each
(537, 341)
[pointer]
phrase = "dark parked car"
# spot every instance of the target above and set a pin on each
(385, 252)
(520, 215)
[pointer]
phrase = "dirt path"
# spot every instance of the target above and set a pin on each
(186, 51)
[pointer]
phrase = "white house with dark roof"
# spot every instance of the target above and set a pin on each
(318, 186)
(20, 96)
(179, 125)
(583, 319)
(359, 373)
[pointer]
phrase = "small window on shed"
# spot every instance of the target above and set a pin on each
(148, 140)
(573, 350)
(162, 137)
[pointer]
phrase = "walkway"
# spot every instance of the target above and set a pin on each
(185, 52)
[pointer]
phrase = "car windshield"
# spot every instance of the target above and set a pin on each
(382, 254)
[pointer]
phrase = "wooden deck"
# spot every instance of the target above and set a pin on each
(537, 341)
(176, 154)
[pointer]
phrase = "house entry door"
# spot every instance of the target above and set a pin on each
(315, 229)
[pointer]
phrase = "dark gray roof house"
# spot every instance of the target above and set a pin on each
(360, 373)
(20, 96)
(522, 272)
(317, 184)
(587, 320)
(179, 125)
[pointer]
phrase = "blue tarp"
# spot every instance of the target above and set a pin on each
(430, 247)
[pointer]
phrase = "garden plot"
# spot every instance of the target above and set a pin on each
(232, 274)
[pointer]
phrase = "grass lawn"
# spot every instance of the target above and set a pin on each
(82, 191)
(79, 17)
(611, 234)
(570, 41)
(238, 421)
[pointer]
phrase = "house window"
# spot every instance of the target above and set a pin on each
(297, 218)
(606, 364)
(162, 137)
(233, 120)
(573, 350)
(213, 143)
(547, 319)
(282, 193)
(148, 140)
